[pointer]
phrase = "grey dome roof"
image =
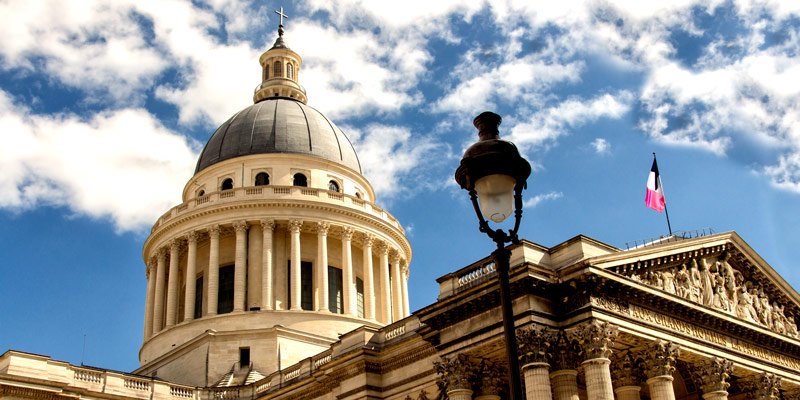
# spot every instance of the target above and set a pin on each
(278, 125)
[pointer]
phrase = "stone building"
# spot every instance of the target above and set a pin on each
(278, 277)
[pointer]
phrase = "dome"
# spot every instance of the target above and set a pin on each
(279, 125)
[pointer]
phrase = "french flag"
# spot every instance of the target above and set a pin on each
(655, 192)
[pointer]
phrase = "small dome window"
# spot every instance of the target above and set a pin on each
(300, 180)
(262, 178)
(333, 186)
(277, 69)
(290, 71)
(227, 184)
(358, 195)
(266, 73)
(201, 193)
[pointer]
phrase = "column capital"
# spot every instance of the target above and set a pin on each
(295, 225)
(714, 375)
(565, 351)
(394, 255)
(213, 231)
(626, 370)
(192, 236)
(152, 262)
(162, 253)
(765, 386)
(596, 338)
(659, 358)
(347, 233)
(240, 226)
(491, 377)
(404, 269)
(323, 228)
(534, 345)
(267, 224)
(368, 240)
(175, 244)
(383, 248)
(455, 373)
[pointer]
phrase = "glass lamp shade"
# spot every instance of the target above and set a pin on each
(496, 196)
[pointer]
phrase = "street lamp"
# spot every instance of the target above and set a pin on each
(494, 174)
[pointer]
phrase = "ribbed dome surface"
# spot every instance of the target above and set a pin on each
(278, 125)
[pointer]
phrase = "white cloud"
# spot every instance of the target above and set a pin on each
(536, 200)
(395, 161)
(601, 146)
(121, 165)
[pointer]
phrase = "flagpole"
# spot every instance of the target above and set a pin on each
(666, 212)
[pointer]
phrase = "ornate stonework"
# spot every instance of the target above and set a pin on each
(564, 352)
(595, 339)
(626, 370)
(491, 378)
(455, 373)
(534, 345)
(659, 358)
(714, 375)
(762, 387)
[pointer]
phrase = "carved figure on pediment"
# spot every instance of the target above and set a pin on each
(706, 283)
(695, 282)
(721, 299)
(683, 285)
(766, 308)
(668, 280)
(791, 326)
(778, 319)
(744, 306)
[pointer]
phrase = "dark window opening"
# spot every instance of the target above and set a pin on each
(335, 295)
(201, 193)
(262, 178)
(225, 299)
(358, 195)
(198, 298)
(360, 297)
(300, 180)
(266, 73)
(333, 186)
(227, 184)
(306, 289)
(244, 356)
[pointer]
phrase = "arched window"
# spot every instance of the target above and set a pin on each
(358, 195)
(300, 180)
(277, 70)
(227, 184)
(333, 186)
(266, 72)
(262, 178)
(290, 71)
(201, 193)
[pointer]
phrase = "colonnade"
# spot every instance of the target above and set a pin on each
(551, 360)
(386, 304)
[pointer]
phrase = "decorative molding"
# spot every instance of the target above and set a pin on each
(659, 358)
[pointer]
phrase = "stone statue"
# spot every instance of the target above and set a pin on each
(706, 283)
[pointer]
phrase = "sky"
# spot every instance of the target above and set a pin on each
(105, 106)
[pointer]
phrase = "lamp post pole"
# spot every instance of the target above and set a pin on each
(493, 170)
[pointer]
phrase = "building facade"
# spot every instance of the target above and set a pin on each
(278, 277)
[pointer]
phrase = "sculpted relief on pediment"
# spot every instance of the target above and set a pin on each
(726, 283)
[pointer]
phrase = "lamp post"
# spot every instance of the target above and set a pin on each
(494, 174)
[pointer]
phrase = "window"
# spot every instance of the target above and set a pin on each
(335, 296)
(333, 186)
(201, 193)
(358, 195)
(266, 73)
(359, 298)
(300, 180)
(198, 298)
(277, 70)
(306, 290)
(225, 300)
(227, 184)
(262, 178)
(290, 71)
(244, 357)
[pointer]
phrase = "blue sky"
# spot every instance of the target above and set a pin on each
(105, 105)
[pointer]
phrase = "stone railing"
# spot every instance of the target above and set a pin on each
(466, 278)
(272, 192)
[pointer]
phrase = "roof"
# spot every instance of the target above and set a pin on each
(279, 125)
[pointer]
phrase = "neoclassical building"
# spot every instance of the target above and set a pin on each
(278, 277)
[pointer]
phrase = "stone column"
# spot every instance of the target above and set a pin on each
(172, 285)
(240, 266)
(386, 312)
(158, 303)
(491, 380)
(191, 276)
(348, 282)
(369, 280)
(404, 288)
(714, 375)
(627, 375)
(563, 358)
(148, 304)
(267, 227)
(294, 228)
(397, 295)
(321, 294)
(456, 376)
(213, 270)
(659, 362)
(596, 339)
(533, 350)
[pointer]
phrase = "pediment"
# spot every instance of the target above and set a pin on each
(719, 272)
